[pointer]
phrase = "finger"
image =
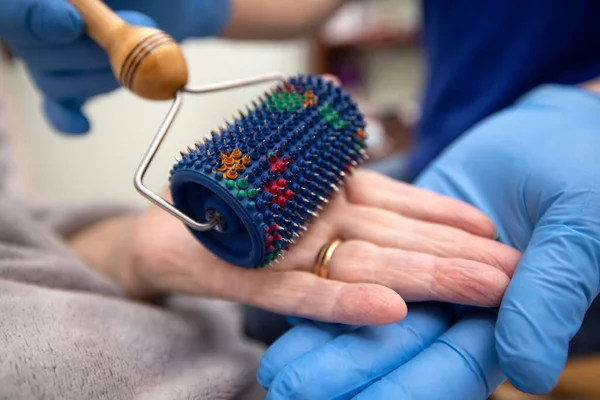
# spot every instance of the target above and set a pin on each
(419, 277)
(81, 55)
(67, 116)
(82, 84)
(461, 364)
(414, 202)
(388, 229)
(293, 344)
(300, 294)
(347, 364)
(545, 304)
(26, 22)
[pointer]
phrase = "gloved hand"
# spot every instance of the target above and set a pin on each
(426, 356)
(68, 67)
(534, 170)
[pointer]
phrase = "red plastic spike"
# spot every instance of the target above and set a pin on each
(279, 166)
(270, 239)
(281, 201)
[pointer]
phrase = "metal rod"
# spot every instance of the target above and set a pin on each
(141, 171)
(235, 83)
(162, 132)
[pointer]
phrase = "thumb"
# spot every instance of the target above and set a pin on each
(545, 304)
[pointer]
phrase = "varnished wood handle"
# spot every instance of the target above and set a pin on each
(146, 60)
(101, 22)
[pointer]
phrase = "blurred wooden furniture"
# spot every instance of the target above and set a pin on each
(579, 381)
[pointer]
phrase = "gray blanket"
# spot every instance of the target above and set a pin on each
(68, 333)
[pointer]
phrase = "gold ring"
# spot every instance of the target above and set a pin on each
(324, 257)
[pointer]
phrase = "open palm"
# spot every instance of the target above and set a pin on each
(400, 244)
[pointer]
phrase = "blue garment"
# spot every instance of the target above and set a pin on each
(481, 55)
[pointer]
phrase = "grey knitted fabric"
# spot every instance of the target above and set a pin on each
(68, 333)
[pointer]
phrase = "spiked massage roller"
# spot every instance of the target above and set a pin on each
(257, 182)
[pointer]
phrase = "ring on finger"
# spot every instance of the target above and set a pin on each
(325, 255)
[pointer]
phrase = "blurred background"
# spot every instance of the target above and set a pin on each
(371, 46)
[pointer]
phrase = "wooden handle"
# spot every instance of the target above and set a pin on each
(147, 61)
(101, 22)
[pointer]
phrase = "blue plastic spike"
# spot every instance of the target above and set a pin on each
(271, 169)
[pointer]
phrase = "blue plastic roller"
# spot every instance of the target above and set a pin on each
(259, 181)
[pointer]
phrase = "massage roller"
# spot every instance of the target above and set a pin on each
(248, 190)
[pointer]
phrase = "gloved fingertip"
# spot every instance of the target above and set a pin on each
(54, 22)
(65, 118)
(136, 18)
(530, 376)
(261, 377)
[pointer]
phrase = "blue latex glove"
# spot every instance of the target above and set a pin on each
(68, 67)
(407, 360)
(534, 169)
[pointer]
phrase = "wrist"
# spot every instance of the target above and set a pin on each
(107, 247)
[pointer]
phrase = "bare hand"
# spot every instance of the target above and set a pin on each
(401, 243)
